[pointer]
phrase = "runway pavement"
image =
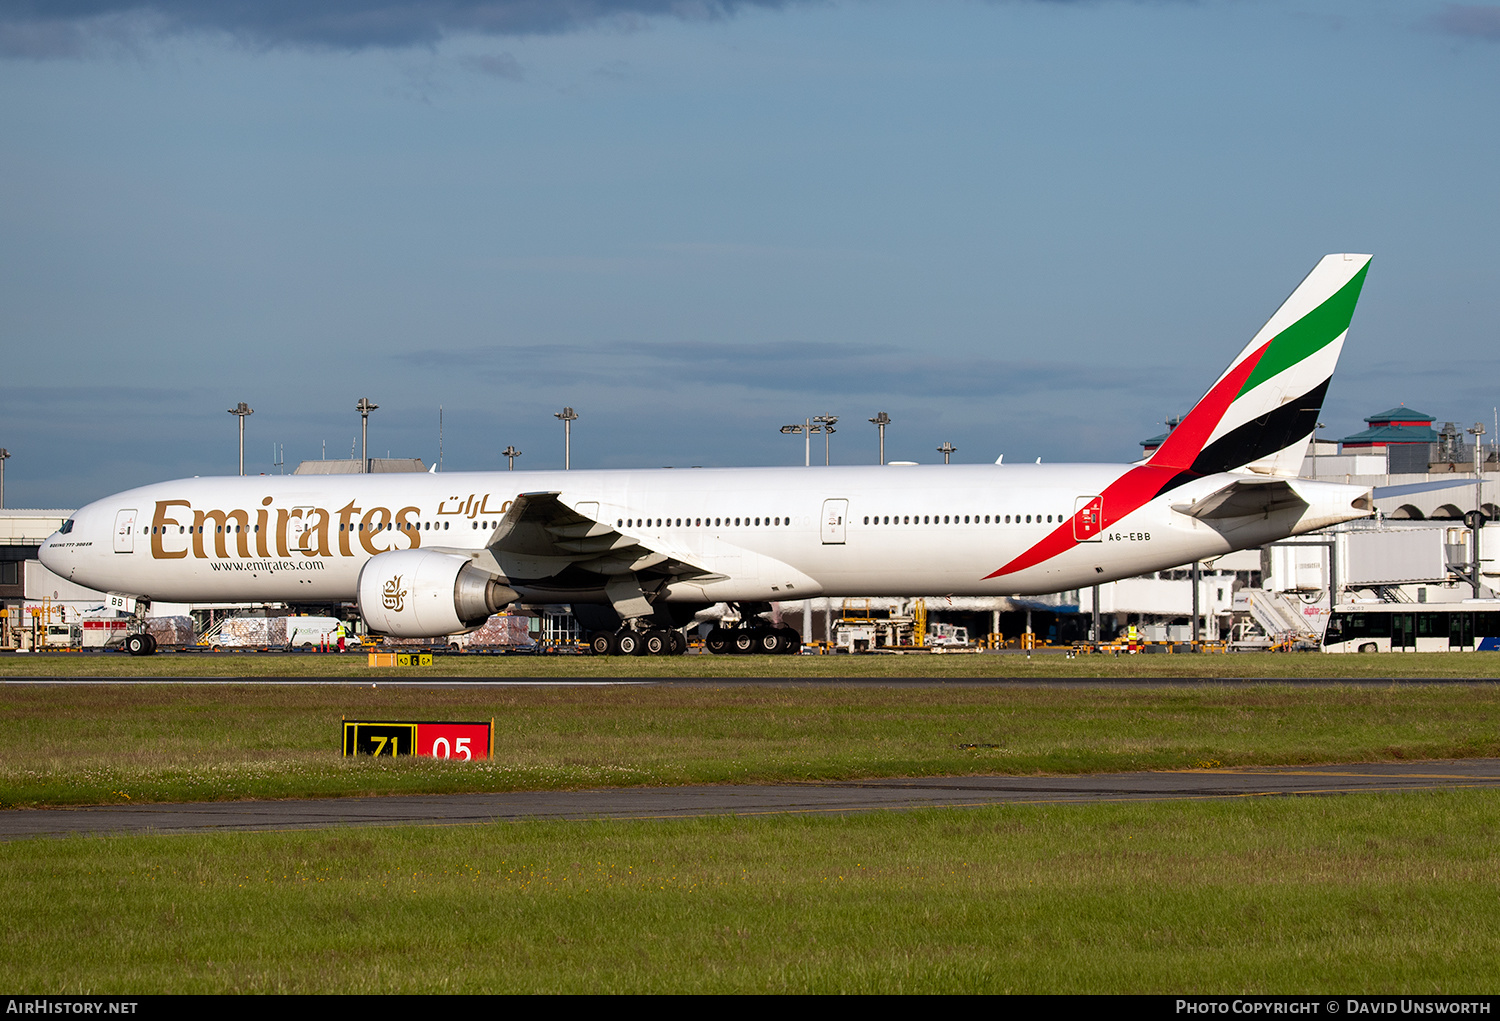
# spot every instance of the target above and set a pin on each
(748, 800)
(795, 682)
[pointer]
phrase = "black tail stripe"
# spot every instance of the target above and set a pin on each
(1256, 439)
(1264, 436)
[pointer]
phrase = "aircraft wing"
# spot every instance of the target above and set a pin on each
(1244, 498)
(541, 537)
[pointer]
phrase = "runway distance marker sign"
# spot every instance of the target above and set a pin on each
(431, 738)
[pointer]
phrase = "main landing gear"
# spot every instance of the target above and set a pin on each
(626, 642)
(648, 636)
(754, 637)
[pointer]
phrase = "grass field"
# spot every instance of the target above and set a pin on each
(1360, 893)
(101, 743)
(955, 666)
(1371, 893)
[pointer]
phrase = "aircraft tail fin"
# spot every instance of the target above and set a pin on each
(1260, 414)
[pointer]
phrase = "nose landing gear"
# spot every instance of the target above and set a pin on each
(140, 644)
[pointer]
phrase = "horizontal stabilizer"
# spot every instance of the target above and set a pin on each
(1244, 498)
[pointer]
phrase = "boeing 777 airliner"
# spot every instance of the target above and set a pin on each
(426, 555)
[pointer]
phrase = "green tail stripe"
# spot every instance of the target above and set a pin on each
(1314, 331)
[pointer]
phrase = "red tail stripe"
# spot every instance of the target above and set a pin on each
(1132, 490)
(1185, 442)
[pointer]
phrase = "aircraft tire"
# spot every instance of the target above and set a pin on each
(658, 643)
(137, 645)
(743, 640)
(791, 641)
(717, 641)
(769, 641)
(601, 643)
(150, 644)
(629, 643)
(679, 643)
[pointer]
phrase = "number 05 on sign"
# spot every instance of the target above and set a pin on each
(438, 740)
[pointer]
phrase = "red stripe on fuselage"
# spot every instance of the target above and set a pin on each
(1124, 495)
(1138, 486)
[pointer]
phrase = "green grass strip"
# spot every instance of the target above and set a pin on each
(1369, 893)
(1458, 665)
(94, 744)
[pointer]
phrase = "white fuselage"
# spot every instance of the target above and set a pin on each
(762, 534)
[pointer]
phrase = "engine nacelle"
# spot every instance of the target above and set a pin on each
(419, 593)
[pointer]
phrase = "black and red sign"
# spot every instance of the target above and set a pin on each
(434, 739)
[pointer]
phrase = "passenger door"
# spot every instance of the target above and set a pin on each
(1460, 631)
(1403, 632)
(125, 531)
(302, 523)
(834, 513)
(1088, 514)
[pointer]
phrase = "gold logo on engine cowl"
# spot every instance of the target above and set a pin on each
(395, 595)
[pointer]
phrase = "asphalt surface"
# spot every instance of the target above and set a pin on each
(721, 682)
(782, 799)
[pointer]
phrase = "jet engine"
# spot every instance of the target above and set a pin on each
(424, 594)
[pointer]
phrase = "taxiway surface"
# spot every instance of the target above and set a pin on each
(747, 800)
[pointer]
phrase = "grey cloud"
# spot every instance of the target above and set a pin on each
(1469, 20)
(885, 370)
(70, 28)
(497, 65)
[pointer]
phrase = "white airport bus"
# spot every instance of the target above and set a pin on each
(1470, 626)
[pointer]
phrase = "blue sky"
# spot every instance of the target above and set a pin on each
(1030, 228)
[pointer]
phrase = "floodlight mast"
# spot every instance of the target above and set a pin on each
(1477, 522)
(947, 450)
(510, 453)
(4, 454)
(822, 424)
(880, 421)
(364, 407)
(241, 410)
(568, 416)
(828, 429)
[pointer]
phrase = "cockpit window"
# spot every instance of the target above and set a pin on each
(67, 526)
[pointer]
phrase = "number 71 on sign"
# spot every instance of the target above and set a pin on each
(433, 739)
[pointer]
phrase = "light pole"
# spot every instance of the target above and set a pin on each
(3, 455)
(240, 410)
(947, 450)
(880, 421)
(1478, 520)
(828, 421)
(511, 453)
(806, 430)
(364, 407)
(568, 416)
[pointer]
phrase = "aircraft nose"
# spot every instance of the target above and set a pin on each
(53, 556)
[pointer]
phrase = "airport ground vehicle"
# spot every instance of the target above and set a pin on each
(1470, 626)
(429, 555)
(943, 635)
(288, 632)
